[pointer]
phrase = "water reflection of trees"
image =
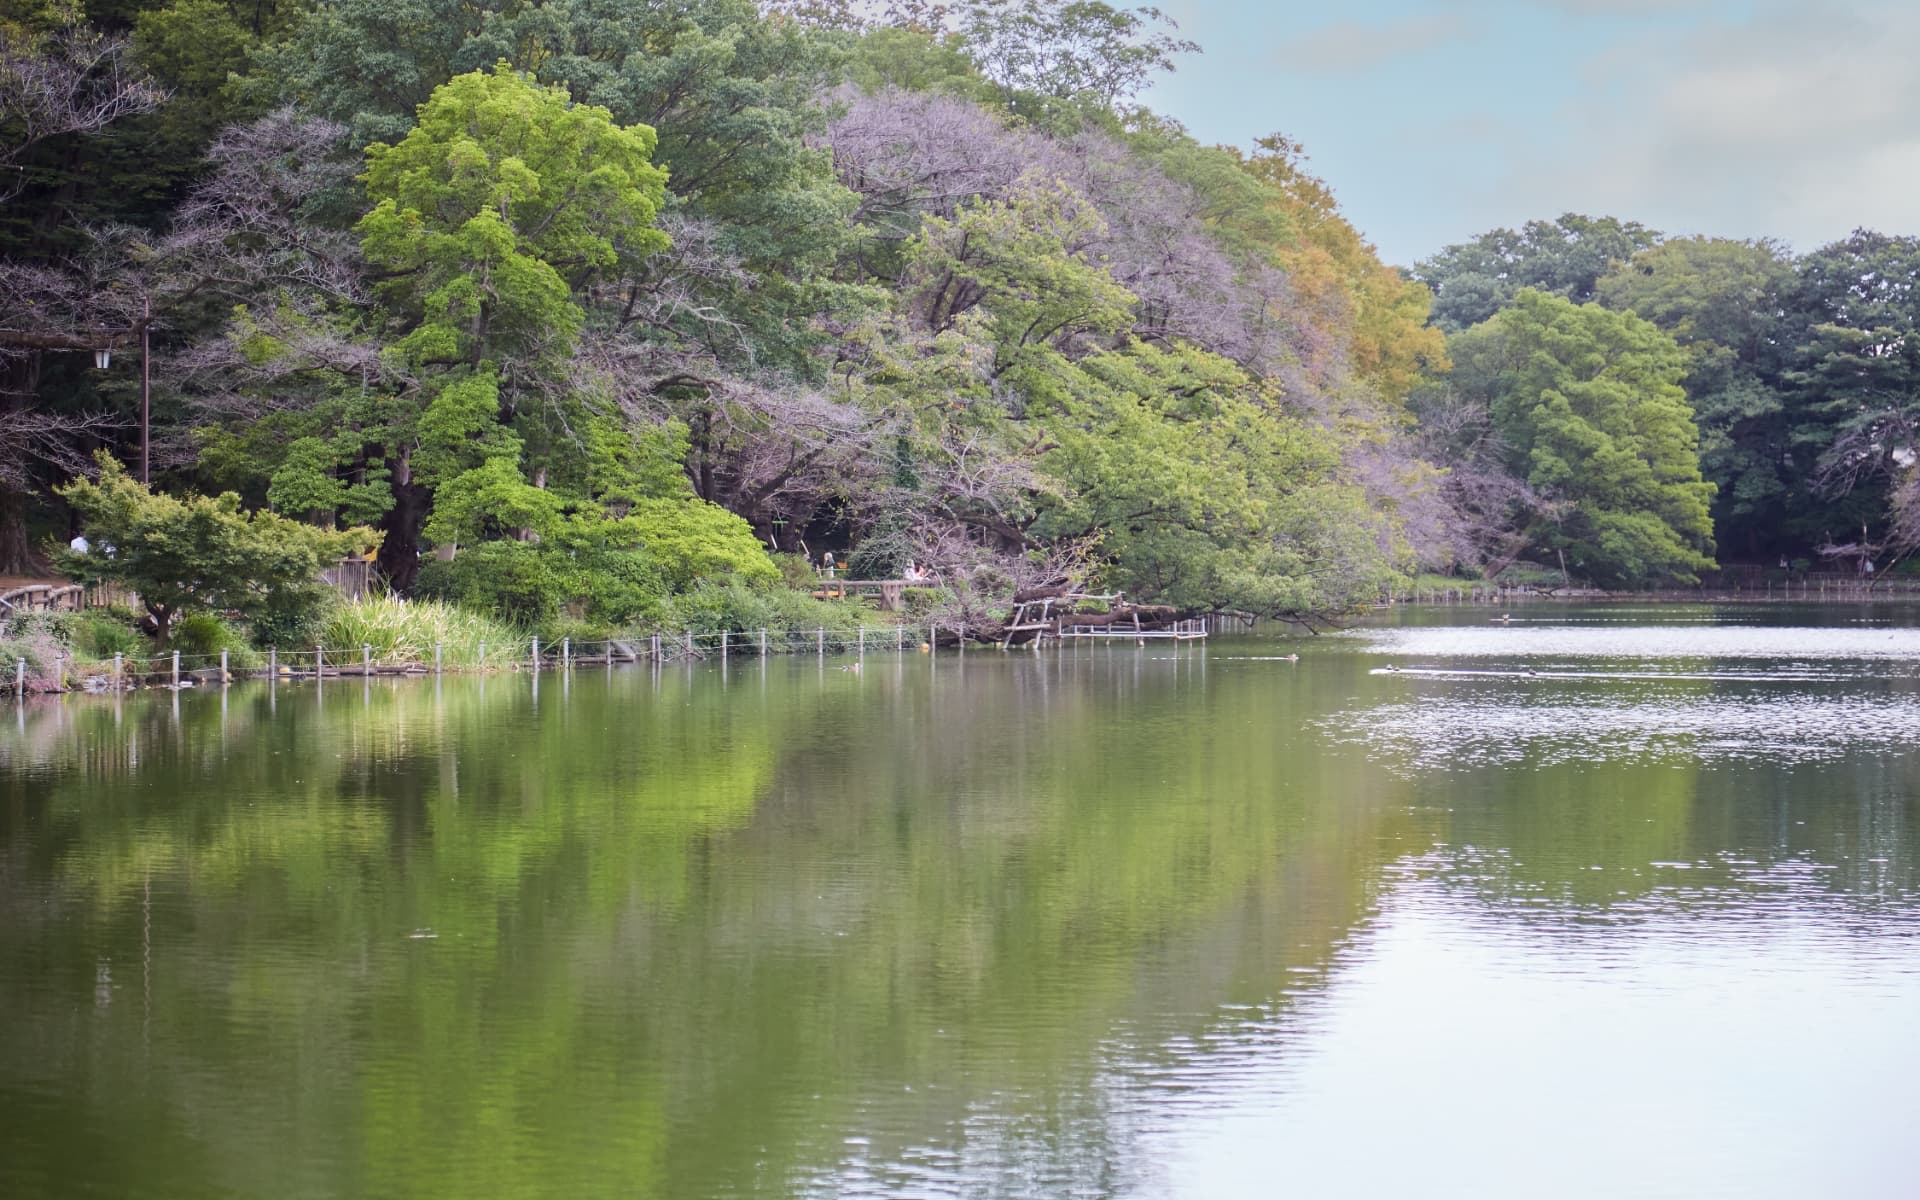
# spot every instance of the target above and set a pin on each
(686, 940)
(690, 933)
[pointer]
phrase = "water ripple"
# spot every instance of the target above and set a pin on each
(1465, 731)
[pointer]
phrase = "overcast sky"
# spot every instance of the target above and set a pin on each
(1437, 119)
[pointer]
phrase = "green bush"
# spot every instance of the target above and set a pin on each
(293, 626)
(514, 580)
(920, 602)
(710, 609)
(202, 636)
(796, 572)
(82, 636)
(540, 586)
(405, 631)
(99, 635)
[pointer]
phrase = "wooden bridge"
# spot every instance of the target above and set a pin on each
(51, 596)
(1063, 618)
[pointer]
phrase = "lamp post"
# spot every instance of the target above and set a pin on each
(103, 358)
(146, 377)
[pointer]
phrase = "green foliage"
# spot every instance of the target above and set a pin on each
(198, 553)
(516, 580)
(615, 570)
(406, 631)
(203, 635)
(787, 615)
(500, 187)
(1590, 405)
(1015, 261)
(1020, 327)
(1725, 303)
(101, 635)
(90, 636)
(1474, 280)
(692, 541)
(1082, 51)
(39, 648)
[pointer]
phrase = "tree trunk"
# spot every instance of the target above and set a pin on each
(400, 550)
(16, 553)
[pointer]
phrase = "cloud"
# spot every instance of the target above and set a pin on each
(1357, 46)
(1608, 8)
(1801, 121)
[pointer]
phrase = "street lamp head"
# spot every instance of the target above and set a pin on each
(102, 357)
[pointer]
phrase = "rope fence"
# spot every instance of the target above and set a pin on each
(175, 669)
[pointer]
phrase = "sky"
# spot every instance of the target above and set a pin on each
(1435, 120)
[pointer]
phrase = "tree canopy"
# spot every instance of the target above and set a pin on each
(1590, 407)
(584, 306)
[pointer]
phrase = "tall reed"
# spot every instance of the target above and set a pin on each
(405, 631)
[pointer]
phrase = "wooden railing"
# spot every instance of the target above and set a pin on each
(888, 595)
(43, 597)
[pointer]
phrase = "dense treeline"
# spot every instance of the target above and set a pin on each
(1802, 372)
(584, 306)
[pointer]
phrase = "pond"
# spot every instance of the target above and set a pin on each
(1589, 903)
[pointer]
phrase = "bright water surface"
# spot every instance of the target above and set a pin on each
(1601, 903)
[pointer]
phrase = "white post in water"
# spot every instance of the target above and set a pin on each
(863, 641)
(536, 654)
(723, 645)
(176, 668)
(223, 667)
(116, 672)
(273, 662)
(566, 654)
(899, 638)
(436, 658)
(763, 643)
(820, 641)
(933, 635)
(483, 655)
(366, 659)
(19, 678)
(319, 662)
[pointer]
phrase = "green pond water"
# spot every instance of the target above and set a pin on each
(1598, 903)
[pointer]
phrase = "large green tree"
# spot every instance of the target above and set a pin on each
(1473, 280)
(1726, 303)
(489, 220)
(1856, 382)
(1589, 404)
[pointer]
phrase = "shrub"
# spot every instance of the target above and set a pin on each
(514, 580)
(405, 631)
(204, 635)
(293, 626)
(796, 572)
(83, 636)
(99, 635)
(199, 552)
(921, 601)
(33, 641)
(708, 610)
(541, 584)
